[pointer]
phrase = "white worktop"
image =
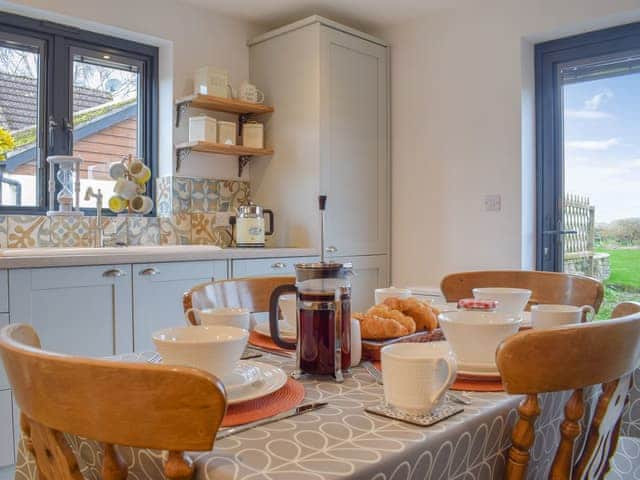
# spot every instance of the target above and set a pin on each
(63, 257)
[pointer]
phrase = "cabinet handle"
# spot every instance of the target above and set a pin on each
(331, 249)
(149, 272)
(114, 272)
(279, 265)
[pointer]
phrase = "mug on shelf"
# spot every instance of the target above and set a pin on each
(250, 93)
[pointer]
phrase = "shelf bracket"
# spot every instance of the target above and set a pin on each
(181, 154)
(181, 109)
(243, 161)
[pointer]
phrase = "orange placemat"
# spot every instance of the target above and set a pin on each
(263, 341)
(289, 396)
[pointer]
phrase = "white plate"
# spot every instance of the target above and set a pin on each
(287, 331)
(243, 375)
(273, 379)
(488, 369)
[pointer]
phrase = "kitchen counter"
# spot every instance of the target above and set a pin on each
(63, 257)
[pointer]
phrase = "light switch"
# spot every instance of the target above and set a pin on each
(493, 203)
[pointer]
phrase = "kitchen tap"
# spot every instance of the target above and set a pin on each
(99, 228)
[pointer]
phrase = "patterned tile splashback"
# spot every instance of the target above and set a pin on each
(190, 211)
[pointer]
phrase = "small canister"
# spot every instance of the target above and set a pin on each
(253, 135)
(226, 132)
(202, 129)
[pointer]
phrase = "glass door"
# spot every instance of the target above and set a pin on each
(589, 163)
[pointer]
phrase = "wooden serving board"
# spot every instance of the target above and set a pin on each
(371, 348)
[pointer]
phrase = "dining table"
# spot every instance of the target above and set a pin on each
(343, 441)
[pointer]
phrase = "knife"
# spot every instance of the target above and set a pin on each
(308, 407)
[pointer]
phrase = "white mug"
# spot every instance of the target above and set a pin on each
(416, 375)
(381, 294)
(230, 316)
(125, 188)
(140, 172)
(250, 93)
(356, 343)
(117, 170)
(141, 204)
(288, 307)
(549, 316)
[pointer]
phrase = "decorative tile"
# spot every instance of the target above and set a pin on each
(181, 195)
(204, 195)
(176, 230)
(28, 231)
(205, 231)
(115, 230)
(143, 231)
(231, 194)
(72, 231)
(3, 231)
(163, 196)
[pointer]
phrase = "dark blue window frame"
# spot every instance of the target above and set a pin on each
(58, 42)
(549, 56)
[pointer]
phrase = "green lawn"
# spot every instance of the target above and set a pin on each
(624, 282)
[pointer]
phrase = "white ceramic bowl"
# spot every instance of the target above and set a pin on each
(381, 294)
(510, 300)
(474, 336)
(214, 348)
(229, 316)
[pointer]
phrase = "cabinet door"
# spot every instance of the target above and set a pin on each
(6, 429)
(4, 381)
(354, 147)
(157, 294)
(371, 272)
(75, 310)
(264, 267)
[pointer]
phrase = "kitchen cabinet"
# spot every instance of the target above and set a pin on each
(4, 291)
(75, 310)
(157, 294)
(262, 267)
(331, 129)
(371, 272)
(6, 429)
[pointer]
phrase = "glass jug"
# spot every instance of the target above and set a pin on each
(323, 318)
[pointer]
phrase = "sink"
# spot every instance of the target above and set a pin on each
(84, 251)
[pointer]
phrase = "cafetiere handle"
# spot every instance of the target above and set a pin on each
(273, 316)
(269, 213)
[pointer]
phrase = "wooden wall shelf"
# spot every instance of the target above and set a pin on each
(244, 154)
(219, 104)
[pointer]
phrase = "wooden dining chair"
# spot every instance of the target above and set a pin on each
(546, 287)
(116, 403)
(250, 293)
(571, 357)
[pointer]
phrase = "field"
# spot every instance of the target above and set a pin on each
(624, 282)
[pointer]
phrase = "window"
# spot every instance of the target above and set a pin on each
(65, 91)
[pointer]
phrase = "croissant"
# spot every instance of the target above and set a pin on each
(385, 312)
(421, 312)
(378, 328)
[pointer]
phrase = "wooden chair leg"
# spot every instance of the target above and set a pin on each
(522, 438)
(26, 433)
(179, 466)
(569, 430)
(113, 466)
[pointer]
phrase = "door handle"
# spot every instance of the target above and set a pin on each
(559, 232)
(68, 127)
(149, 272)
(331, 249)
(114, 272)
(52, 130)
(279, 265)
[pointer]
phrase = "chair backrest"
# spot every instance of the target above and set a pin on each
(250, 293)
(546, 287)
(571, 357)
(117, 403)
(625, 308)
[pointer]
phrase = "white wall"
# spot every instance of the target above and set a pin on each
(462, 127)
(188, 37)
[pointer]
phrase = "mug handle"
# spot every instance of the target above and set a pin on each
(274, 327)
(190, 317)
(259, 96)
(587, 310)
(450, 362)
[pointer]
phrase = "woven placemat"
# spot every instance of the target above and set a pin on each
(262, 341)
(289, 396)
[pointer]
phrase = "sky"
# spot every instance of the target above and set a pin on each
(602, 145)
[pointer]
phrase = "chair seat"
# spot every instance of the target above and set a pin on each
(625, 463)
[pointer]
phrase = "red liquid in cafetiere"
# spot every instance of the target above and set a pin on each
(317, 332)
